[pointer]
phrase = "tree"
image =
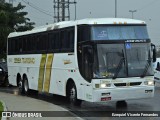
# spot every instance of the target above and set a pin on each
(12, 19)
(2, 1)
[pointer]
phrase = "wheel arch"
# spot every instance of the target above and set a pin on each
(25, 76)
(18, 78)
(72, 96)
(70, 81)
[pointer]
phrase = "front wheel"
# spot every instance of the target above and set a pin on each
(72, 95)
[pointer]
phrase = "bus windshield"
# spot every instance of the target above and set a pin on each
(122, 60)
(119, 32)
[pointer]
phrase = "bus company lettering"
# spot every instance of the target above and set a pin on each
(28, 60)
(139, 41)
(17, 60)
(24, 60)
(67, 62)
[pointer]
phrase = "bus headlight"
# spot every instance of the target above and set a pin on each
(104, 85)
(150, 83)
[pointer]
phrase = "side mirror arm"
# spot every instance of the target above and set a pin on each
(154, 52)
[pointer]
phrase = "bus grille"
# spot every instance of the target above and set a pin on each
(127, 84)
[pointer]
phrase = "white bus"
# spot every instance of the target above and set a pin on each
(95, 60)
(156, 66)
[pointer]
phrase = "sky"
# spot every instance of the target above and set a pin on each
(147, 10)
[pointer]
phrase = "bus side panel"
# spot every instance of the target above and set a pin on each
(33, 71)
(24, 65)
(63, 68)
(13, 69)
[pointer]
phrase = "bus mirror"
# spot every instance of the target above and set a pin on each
(87, 55)
(90, 53)
(88, 49)
(153, 47)
(158, 66)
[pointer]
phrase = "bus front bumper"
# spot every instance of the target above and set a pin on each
(122, 93)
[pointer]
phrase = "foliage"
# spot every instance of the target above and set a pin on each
(1, 109)
(12, 19)
(1, 106)
(2, 1)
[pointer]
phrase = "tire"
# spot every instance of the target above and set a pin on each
(72, 96)
(26, 86)
(20, 86)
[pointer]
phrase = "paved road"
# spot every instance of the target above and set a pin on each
(152, 104)
(19, 103)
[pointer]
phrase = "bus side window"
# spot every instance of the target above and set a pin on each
(13, 46)
(25, 44)
(20, 45)
(57, 41)
(83, 33)
(71, 39)
(34, 43)
(63, 39)
(38, 43)
(9, 46)
(43, 42)
(50, 41)
(16, 45)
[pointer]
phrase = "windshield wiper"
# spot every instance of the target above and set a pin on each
(118, 68)
(119, 65)
(146, 68)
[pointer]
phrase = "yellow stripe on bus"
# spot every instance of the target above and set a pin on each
(48, 72)
(41, 72)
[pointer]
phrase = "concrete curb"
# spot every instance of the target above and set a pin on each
(4, 109)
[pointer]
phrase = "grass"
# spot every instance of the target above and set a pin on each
(1, 109)
(1, 106)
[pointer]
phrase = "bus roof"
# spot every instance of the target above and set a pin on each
(88, 21)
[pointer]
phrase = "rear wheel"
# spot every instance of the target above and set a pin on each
(72, 95)
(26, 86)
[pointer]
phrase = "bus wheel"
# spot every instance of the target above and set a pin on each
(20, 86)
(26, 86)
(73, 95)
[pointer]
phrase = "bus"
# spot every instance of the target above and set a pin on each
(156, 66)
(94, 60)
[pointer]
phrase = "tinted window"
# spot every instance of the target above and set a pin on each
(71, 38)
(83, 33)
(61, 40)
(51, 41)
(57, 41)
(119, 32)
